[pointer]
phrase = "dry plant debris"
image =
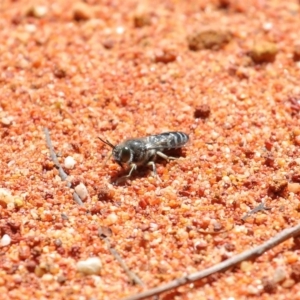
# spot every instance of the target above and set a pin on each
(124, 69)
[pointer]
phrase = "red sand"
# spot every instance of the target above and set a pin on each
(227, 73)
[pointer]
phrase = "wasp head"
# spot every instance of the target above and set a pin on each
(121, 153)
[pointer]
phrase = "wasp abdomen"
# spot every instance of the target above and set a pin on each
(169, 140)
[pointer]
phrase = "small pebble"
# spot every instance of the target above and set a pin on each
(82, 12)
(69, 162)
(288, 283)
(263, 52)
(6, 121)
(47, 277)
(208, 39)
(296, 54)
(5, 197)
(164, 56)
(82, 191)
(24, 252)
(142, 19)
(279, 275)
(37, 11)
(5, 240)
(91, 266)
(112, 219)
(294, 187)
(18, 201)
(202, 111)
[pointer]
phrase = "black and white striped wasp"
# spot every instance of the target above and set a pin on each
(144, 151)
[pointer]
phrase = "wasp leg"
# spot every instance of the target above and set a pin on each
(164, 156)
(151, 163)
(133, 167)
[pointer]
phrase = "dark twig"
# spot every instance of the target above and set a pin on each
(135, 279)
(260, 207)
(223, 266)
(61, 171)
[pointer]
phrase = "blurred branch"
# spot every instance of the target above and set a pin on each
(61, 171)
(223, 266)
(134, 278)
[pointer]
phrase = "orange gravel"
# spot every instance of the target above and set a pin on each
(225, 71)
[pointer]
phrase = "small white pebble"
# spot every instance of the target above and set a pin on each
(38, 11)
(279, 275)
(69, 162)
(47, 277)
(91, 266)
(82, 191)
(5, 197)
(267, 26)
(30, 27)
(153, 227)
(6, 121)
(226, 179)
(5, 241)
(112, 218)
(120, 30)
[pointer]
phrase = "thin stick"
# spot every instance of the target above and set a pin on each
(260, 207)
(223, 266)
(61, 172)
(133, 277)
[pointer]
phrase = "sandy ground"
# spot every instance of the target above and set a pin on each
(225, 72)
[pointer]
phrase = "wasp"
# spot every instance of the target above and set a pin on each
(144, 151)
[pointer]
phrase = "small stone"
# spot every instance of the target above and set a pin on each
(246, 266)
(277, 187)
(253, 290)
(6, 121)
(24, 252)
(81, 191)
(112, 219)
(108, 44)
(263, 52)
(105, 194)
(5, 197)
(69, 162)
(297, 140)
(5, 240)
(279, 275)
(295, 274)
(39, 272)
(30, 266)
(296, 54)
(91, 266)
(46, 216)
(82, 12)
(209, 39)
(202, 111)
(164, 56)
(59, 72)
(61, 279)
(294, 187)
(200, 244)
(19, 202)
(288, 283)
(47, 277)
(269, 285)
(37, 11)
(142, 19)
